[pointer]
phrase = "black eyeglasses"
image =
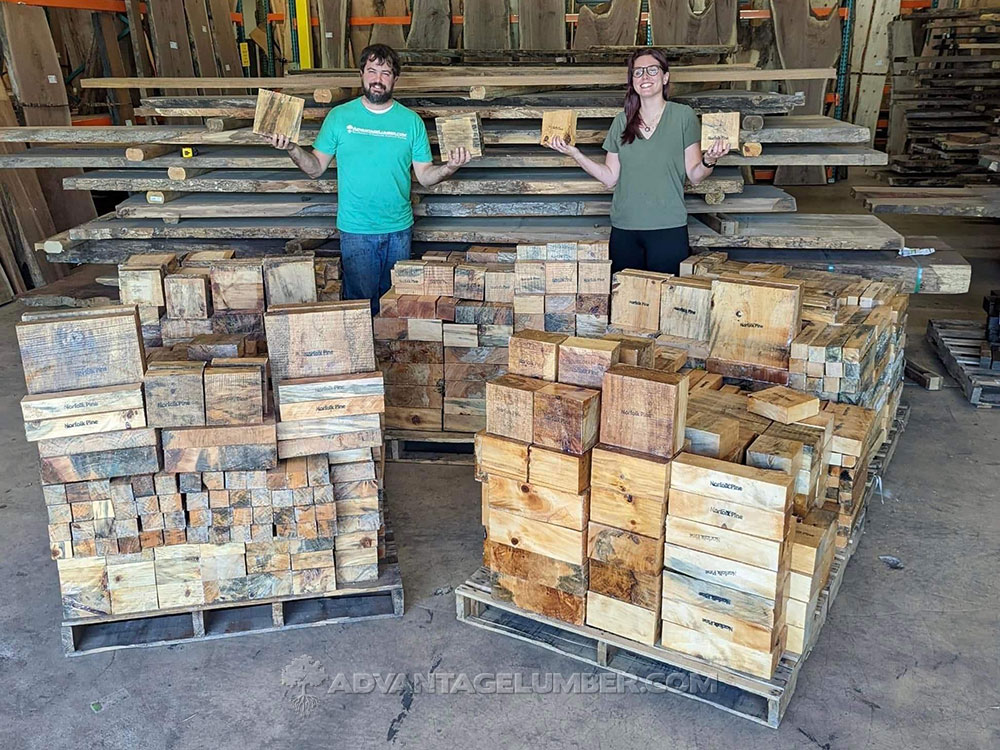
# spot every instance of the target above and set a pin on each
(649, 70)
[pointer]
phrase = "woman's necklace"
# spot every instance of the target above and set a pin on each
(650, 128)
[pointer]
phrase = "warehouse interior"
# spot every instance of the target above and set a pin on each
(249, 568)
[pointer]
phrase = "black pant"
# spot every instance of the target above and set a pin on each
(660, 250)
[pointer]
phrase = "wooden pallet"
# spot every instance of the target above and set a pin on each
(373, 600)
(429, 447)
(759, 700)
(957, 344)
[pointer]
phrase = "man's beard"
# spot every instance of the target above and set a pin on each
(377, 97)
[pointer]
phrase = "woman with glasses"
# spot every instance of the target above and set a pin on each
(651, 148)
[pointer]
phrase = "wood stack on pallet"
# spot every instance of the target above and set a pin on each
(168, 481)
(943, 108)
(443, 328)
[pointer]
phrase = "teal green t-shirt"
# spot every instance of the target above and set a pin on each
(374, 151)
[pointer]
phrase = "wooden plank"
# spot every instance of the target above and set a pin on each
(545, 539)
(616, 25)
(539, 503)
(224, 38)
(684, 22)
(333, 33)
(542, 25)
(169, 36)
(486, 24)
(200, 34)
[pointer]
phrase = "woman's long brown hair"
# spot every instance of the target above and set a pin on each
(632, 117)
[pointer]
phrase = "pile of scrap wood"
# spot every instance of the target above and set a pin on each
(943, 106)
(180, 477)
(662, 508)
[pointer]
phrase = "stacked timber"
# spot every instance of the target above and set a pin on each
(944, 106)
(169, 482)
(813, 553)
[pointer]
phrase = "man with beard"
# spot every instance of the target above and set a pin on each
(375, 140)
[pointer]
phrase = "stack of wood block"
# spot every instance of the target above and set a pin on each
(813, 550)
(177, 484)
(727, 561)
(563, 287)
(857, 435)
(213, 293)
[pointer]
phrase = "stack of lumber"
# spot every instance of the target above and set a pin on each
(663, 507)
(169, 481)
(443, 327)
(210, 296)
(943, 106)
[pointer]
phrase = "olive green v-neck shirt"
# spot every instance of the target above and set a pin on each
(650, 189)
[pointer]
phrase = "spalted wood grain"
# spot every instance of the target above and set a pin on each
(289, 281)
(536, 597)
(233, 395)
(626, 549)
(566, 417)
(103, 349)
(81, 402)
(278, 114)
(530, 566)
(237, 285)
(175, 396)
(720, 125)
(509, 406)
(584, 362)
(459, 131)
(187, 296)
(83, 467)
(644, 410)
(626, 585)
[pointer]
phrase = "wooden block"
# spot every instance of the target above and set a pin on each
(278, 114)
(327, 425)
(175, 396)
(545, 539)
(82, 467)
(722, 601)
(326, 338)
(594, 305)
(233, 395)
(718, 651)
(187, 296)
(531, 252)
(594, 277)
(106, 350)
(219, 448)
(237, 285)
(509, 406)
(545, 504)
(635, 513)
(529, 277)
(216, 346)
(635, 299)
(499, 285)
(536, 597)
(85, 412)
(770, 584)
(309, 446)
(686, 308)
(561, 278)
(630, 473)
(707, 434)
(459, 131)
(783, 405)
(530, 566)
(408, 278)
(562, 471)
(644, 410)
(501, 456)
(584, 362)
(722, 627)
(560, 304)
(439, 279)
(460, 335)
(559, 123)
(423, 330)
(626, 585)
(444, 310)
(716, 125)
(744, 485)
(173, 331)
(767, 524)
(535, 354)
(566, 418)
(336, 395)
(390, 329)
(626, 549)
(622, 618)
(753, 325)
(732, 545)
(289, 280)
(470, 281)
(772, 452)
(633, 350)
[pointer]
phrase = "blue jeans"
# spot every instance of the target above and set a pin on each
(367, 260)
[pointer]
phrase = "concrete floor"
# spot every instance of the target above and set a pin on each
(908, 658)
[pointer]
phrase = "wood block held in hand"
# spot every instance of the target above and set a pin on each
(278, 114)
(716, 125)
(559, 123)
(459, 131)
